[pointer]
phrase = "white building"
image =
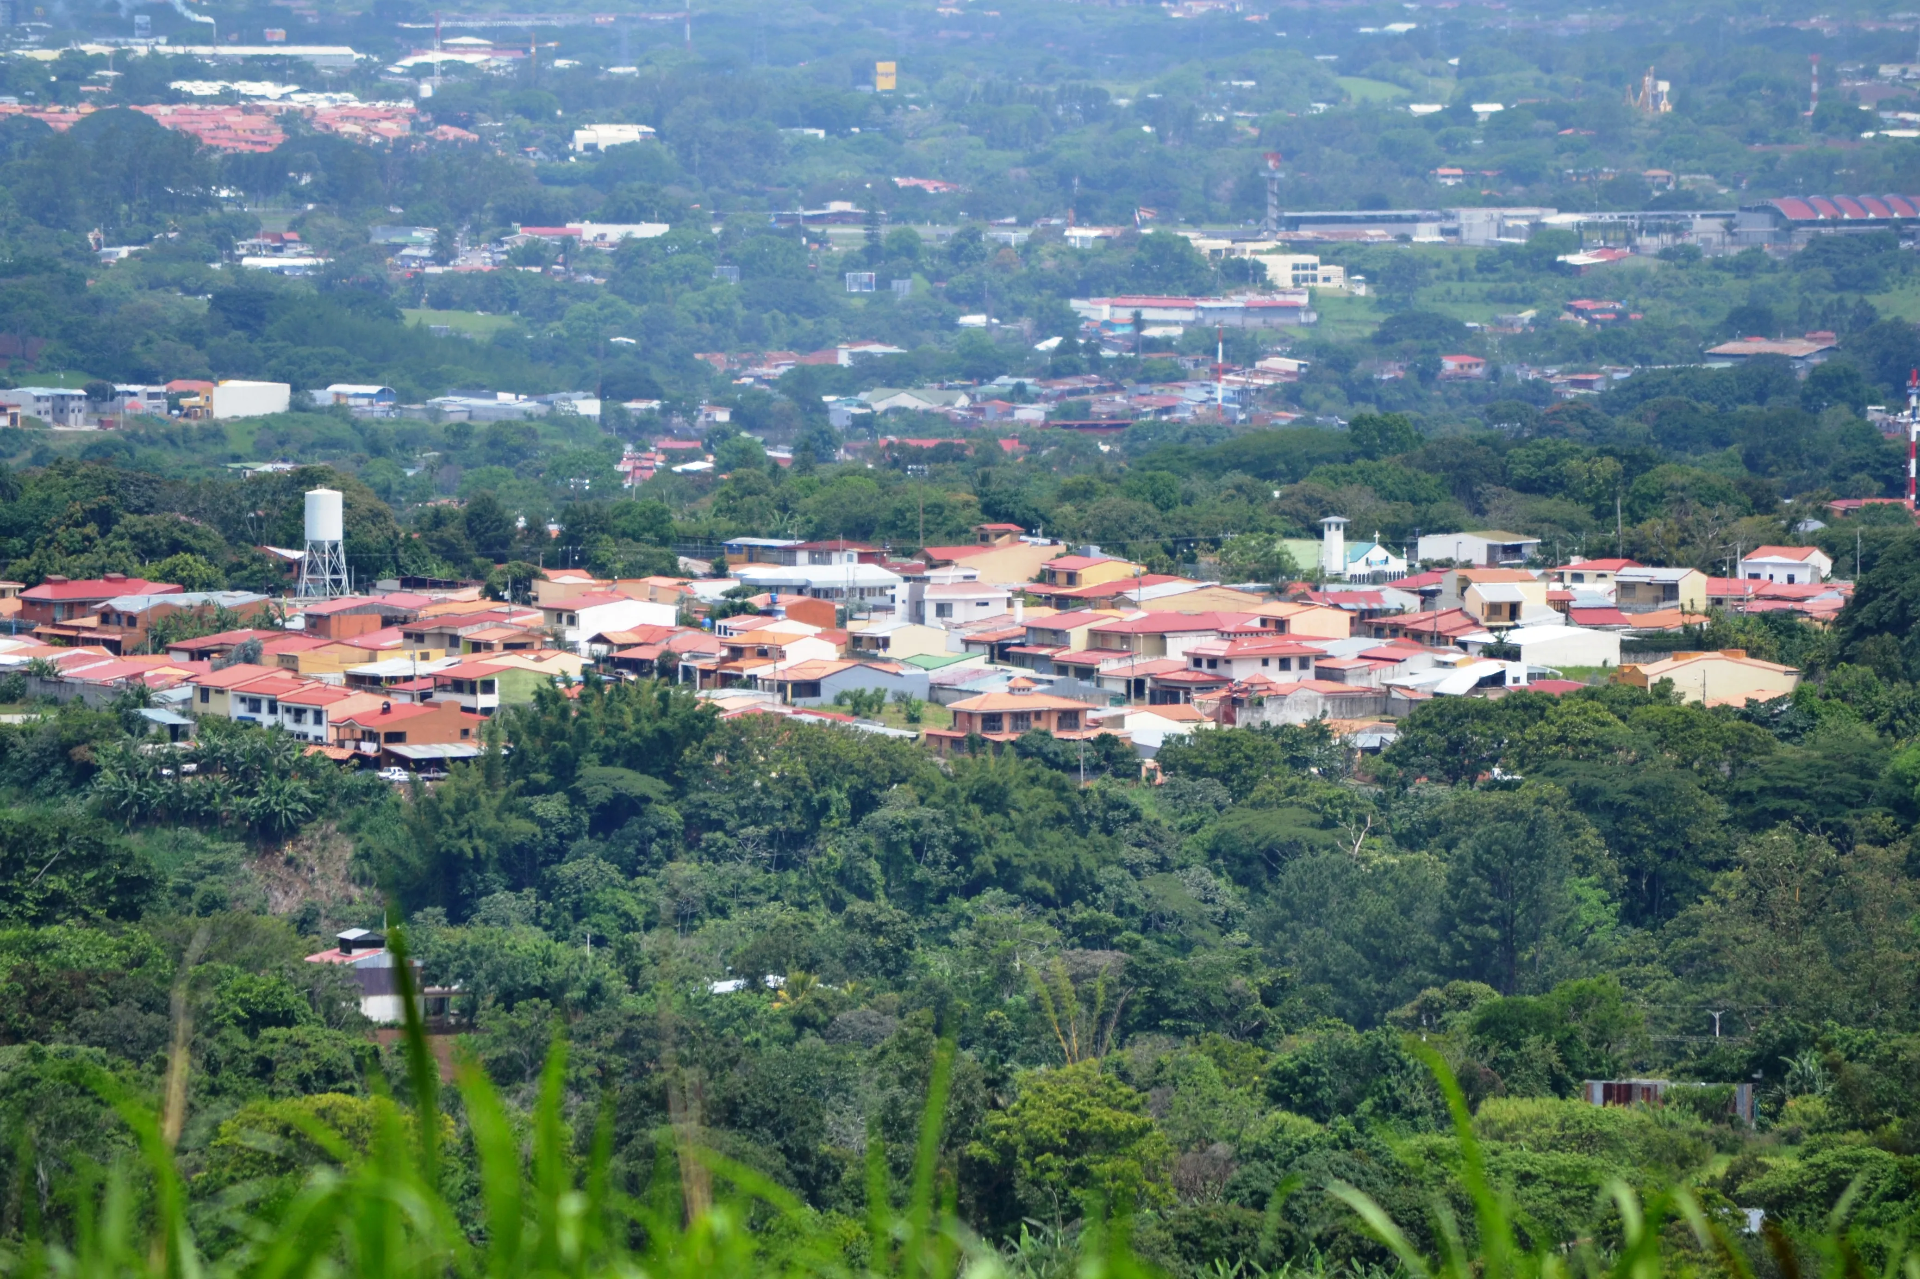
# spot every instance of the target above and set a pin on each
(598, 137)
(1790, 564)
(1491, 548)
(1374, 563)
(572, 620)
(54, 405)
(1558, 646)
(236, 398)
(858, 587)
(364, 957)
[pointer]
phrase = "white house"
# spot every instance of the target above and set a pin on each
(859, 587)
(366, 960)
(572, 620)
(950, 604)
(1491, 547)
(1557, 646)
(1281, 658)
(1790, 564)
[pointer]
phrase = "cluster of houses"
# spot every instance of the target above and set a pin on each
(1003, 634)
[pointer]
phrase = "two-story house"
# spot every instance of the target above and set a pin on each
(1241, 658)
(371, 732)
(999, 718)
(59, 599)
(1642, 590)
(1090, 569)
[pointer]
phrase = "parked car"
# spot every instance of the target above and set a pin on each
(395, 774)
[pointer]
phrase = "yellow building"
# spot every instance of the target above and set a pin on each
(1087, 570)
(1724, 678)
(1315, 621)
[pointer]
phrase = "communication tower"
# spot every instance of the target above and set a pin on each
(323, 571)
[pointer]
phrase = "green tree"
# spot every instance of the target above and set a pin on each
(1077, 1141)
(1526, 884)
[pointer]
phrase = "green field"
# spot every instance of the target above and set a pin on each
(1361, 89)
(472, 323)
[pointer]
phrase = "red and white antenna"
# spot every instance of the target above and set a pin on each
(1913, 431)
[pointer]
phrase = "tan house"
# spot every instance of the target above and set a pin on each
(565, 584)
(1724, 678)
(1003, 717)
(1087, 570)
(1318, 621)
(1642, 590)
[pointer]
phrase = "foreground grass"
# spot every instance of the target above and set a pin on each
(388, 1212)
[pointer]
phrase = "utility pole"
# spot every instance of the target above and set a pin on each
(1716, 1015)
(1618, 540)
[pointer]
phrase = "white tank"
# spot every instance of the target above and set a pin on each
(324, 520)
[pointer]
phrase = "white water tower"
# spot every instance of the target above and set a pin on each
(323, 572)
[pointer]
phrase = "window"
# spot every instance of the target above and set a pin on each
(319, 719)
(465, 733)
(1266, 661)
(299, 715)
(1022, 721)
(1213, 663)
(1196, 663)
(273, 706)
(1579, 577)
(943, 610)
(1067, 722)
(486, 686)
(992, 723)
(397, 735)
(1286, 663)
(206, 695)
(252, 705)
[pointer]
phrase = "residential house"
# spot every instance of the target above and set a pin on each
(997, 562)
(861, 589)
(1641, 590)
(571, 620)
(750, 651)
(1088, 569)
(373, 733)
(1506, 603)
(558, 584)
(1151, 727)
(364, 957)
(897, 639)
(817, 681)
(1244, 657)
(1724, 678)
(1002, 717)
(1167, 634)
(1373, 667)
(1491, 547)
(125, 623)
(1445, 628)
(60, 599)
(1308, 620)
(207, 648)
(1304, 701)
(346, 616)
(305, 711)
(1589, 575)
(1054, 635)
(1557, 646)
(1793, 565)
(216, 693)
